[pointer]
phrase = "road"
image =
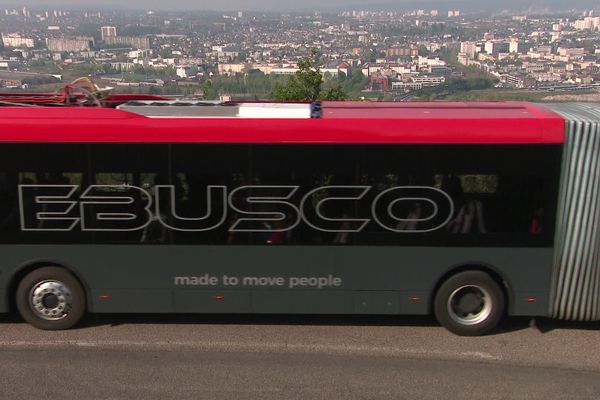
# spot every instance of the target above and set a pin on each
(287, 357)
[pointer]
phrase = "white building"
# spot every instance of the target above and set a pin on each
(571, 51)
(427, 61)
(407, 85)
(517, 46)
(70, 44)
(496, 47)
(469, 48)
(138, 53)
(8, 64)
(15, 40)
(186, 71)
(230, 68)
(108, 31)
(284, 71)
(588, 23)
(429, 80)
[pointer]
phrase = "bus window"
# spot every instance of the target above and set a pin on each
(203, 178)
(28, 168)
(119, 205)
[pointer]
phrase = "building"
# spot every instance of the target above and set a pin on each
(408, 51)
(379, 83)
(516, 46)
(496, 47)
(535, 66)
(138, 42)
(469, 48)
(15, 40)
(402, 51)
(84, 43)
(108, 31)
(440, 70)
(588, 23)
(429, 61)
(406, 86)
(429, 80)
(230, 69)
(186, 71)
(8, 64)
(571, 51)
(556, 36)
(284, 71)
(520, 81)
(122, 66)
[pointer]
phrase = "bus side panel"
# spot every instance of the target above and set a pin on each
(3, 302)
(283, 279)
(305, 227)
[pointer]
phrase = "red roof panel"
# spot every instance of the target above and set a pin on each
(341, 123)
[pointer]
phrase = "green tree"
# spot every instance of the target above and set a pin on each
(306, 84)
(208, 91)
(333, 94)
(355, 83)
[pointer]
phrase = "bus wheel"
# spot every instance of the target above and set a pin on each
(469, 303)
(50, 298)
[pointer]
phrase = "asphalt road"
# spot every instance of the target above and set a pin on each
(284, 357)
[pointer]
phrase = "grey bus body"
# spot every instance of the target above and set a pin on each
(319, 267)
(142, 279)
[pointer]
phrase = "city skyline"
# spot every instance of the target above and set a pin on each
(425, 52)
(276, 5)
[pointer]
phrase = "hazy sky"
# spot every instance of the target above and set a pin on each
(278, 5)
(193, 4)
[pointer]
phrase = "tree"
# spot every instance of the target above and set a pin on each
(208, 92)
(355, 83)
(306, 84)
(333, 94)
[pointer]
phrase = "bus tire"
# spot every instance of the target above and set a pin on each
(469, 303)
(51, 298)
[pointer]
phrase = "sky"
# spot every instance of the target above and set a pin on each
(290, 5)
(195, 4)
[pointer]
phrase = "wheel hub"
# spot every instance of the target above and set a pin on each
(469, 305)
(51, 300)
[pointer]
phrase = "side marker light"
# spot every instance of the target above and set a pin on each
(531, 299)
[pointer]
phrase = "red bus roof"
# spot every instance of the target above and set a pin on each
(434, 110)
(340, 122)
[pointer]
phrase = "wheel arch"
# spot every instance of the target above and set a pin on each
(20, 272)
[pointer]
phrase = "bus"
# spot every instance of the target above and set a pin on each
(467, 211)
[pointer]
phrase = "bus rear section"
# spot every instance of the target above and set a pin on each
(451, 215)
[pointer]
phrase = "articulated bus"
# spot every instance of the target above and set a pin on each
(468, 211)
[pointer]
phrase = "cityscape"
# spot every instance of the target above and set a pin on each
(309, 200)
(426, 54)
